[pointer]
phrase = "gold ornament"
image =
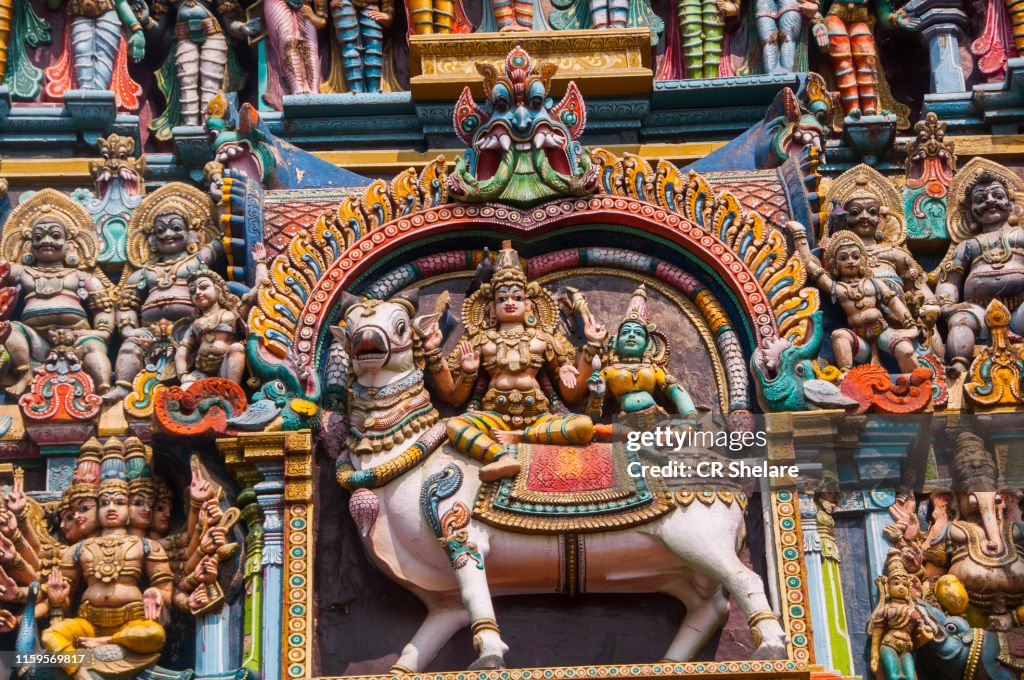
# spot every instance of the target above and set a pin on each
(195, 206)
(864, 181)
(44, 206)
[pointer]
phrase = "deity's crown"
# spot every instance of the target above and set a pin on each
(507, 268)
(844, 239)
(140, 480)
(113, 467)
(637, 310)
(86, 478)
(971, 460)
(894, 565)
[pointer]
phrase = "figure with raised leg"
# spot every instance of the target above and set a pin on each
(511, 332)
(213, 343)
(848, 278)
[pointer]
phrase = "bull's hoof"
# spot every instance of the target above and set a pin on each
(770, 651)
(400, 670)
(487, 663)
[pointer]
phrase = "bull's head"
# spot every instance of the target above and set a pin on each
(379, 339)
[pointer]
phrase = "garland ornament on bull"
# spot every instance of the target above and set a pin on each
(408, 482)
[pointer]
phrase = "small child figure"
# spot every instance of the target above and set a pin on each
(847, 277)
(213, 344)
(895, 623)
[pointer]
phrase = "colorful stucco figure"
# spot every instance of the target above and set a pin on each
(578, 14)
(99, 40)
(49, 245)
(360, 27)
(293, 28)
(21, 29)
(985, 261)
(634, 372)
(171, 236)
(201, 62)
(511, 333)
(523, 148)
(853, 54)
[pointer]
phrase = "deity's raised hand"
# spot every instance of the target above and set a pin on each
(57, 589)
(206, 570)
(430, 331)
(16, 499)
(8, 587)
(152, 603)
(201, 489)
(210, 513)
(470, 359)
(796, 229)
(594, 331)
(213, 538)
(8, 621)
(567, 374)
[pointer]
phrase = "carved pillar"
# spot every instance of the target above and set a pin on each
(840, 646)
(876, 518)
(253, 570)
(270, 497)
(815, 580)
(942, 31)
(281, 612)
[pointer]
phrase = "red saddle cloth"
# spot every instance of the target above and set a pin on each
(569, 489)
(569, 469)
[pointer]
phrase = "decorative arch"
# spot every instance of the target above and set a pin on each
(749, 258)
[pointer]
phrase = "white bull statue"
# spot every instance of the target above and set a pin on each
(417, 489)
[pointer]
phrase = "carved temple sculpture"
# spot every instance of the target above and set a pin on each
(354, 339)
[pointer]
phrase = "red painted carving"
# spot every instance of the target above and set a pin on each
(203, 409)
(874, 390)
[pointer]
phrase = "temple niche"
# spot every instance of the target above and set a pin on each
(334, 336)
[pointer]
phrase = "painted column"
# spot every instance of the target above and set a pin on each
(253, 572)
(942, 30)
(815, 581)
(840, 646)
(270, 497)
(876, 518)
(213, 643)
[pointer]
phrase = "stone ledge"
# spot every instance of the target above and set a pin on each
(603, 63)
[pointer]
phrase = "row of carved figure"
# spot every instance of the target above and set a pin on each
(198, 42)
(118, 264)
(102, 570)
(951, 598)
(88, 270)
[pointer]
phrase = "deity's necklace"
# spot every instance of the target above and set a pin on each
(993, 255)
(506, 341)
(111, 558)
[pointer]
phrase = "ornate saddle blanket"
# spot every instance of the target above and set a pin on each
(572, 489)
